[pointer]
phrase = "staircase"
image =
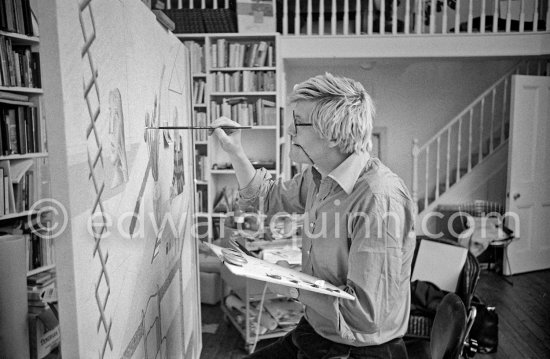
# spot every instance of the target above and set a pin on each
(475, 136)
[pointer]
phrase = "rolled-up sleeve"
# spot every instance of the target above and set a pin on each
(272, 196)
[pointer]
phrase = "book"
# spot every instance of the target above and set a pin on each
(11, 127)
(165, 20)
(186, 20)
(255, 268)
(6, 194)
(2, 198)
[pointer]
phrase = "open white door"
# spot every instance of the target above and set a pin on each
(529, 174)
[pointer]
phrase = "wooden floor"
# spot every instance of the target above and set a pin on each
(523, 306)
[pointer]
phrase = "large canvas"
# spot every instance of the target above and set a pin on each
(127, 260)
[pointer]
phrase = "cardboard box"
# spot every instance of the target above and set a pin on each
(44, 335)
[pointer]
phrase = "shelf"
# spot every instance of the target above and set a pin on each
(31, 90)
(17, 215)
(201, 182)
(15, 102)
(40, 270)
(218, 215)
(25, 156)
(201, 105)
(21, 38)
(256, 93)
(203, 143)
(264, 128)
(243, 68)
(200, 74)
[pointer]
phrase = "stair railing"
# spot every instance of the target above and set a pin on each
(482, 127)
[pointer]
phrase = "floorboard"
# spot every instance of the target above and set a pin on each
(522, 303)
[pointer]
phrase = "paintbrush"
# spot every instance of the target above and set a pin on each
(227, 129)
(198, 128)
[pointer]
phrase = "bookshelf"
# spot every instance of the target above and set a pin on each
(237, 76)
(23, 151)
(24, 174)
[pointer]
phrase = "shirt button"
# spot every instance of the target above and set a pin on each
(311, 225)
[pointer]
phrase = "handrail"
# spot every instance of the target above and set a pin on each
(467, 109)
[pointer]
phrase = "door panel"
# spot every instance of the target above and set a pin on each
(528, 175)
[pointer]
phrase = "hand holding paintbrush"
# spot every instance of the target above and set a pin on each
(227, 129)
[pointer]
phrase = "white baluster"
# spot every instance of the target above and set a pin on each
(470, 140)
(458, 149)
(203, 4)
(418, 17)
(433, 6)
(214, 4)
(491, 144)
(357, 17)
(333, 18)
(394, 17)
(346, 17)
(444, 19)
(509, 15)
(309, 17)
(481, 113)
(415, 172)
(382, 19)
(227, 4)
(522, 16)
(322, 17)
(407, 16)
(448, 169)
(427, 177)
(470, 16)
(438, 167)
(297, 18)
(285, 17)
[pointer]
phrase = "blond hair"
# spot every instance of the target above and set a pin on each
(343, 110)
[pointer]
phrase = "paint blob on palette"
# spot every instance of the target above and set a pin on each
(247, 266)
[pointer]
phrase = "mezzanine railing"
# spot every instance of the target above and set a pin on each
(399, 17)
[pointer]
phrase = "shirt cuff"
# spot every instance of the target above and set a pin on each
(250, 191)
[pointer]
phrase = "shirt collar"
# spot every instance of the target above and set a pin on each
(347, 173)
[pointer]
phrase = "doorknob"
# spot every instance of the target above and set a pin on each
(516, 196)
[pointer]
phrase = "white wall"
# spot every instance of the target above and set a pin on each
(414, 97)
